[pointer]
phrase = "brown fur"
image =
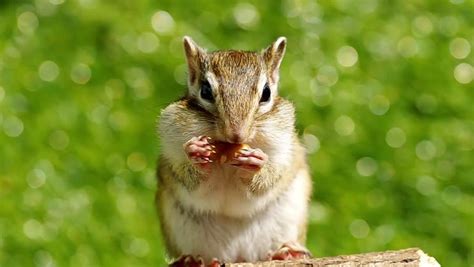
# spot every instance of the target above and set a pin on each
(235, 109)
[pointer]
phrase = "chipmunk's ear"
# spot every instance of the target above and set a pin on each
(273, 56)
(194, 53)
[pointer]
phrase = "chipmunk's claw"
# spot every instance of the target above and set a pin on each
(250, 159)
(190, 261)
(199, 151)
(290, 252)
(215, 263)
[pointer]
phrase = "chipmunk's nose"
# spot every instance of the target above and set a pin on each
(237, 138)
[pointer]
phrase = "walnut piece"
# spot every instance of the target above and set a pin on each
(225, 152)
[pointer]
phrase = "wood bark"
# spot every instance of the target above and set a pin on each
(410, 257)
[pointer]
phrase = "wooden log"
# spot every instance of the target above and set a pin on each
(411, 257)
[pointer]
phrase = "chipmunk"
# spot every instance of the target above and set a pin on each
(252, 205)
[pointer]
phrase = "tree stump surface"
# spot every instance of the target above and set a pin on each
(410, 257)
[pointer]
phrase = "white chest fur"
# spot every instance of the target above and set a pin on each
(235, 238)
(223, 193)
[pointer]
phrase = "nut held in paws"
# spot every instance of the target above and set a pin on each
(225, 152)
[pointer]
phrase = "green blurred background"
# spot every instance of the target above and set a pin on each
(384, 96)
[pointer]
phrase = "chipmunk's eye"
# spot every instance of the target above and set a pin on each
(206, 91)
(266, 93)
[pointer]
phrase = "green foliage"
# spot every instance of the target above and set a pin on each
(383, 90)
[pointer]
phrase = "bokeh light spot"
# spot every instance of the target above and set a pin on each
(147, 42)
(12, 51)
(426, 185)
(384, 234)
(12, 126)
(321, 95)
(347, 56)
(119, 120)
(162, 22)
(136, 161)
(322, 100)
(422, 26)
(81, 73)
(149, 179)
(464, 73)
(425, 150)
(126, 204)
(36, 178)
(48, 71)
(311, 143)
(46, 8)
(317, 212)
(380, 46)
(139, 247)
(88, 3)
(59, 140)
(44, 259)
(180, 74)
(366, 166)
(98, 113)
(139, 81)
(128, 43)
(117, 183)
(395, 137)
(56, 2)
(452, 195)
(27, 22)
(344, 125)
(79, 200)
(114, 89)
(459, 48)
(246, 15)
(359, 229)
(407, 46)
(367, 6)
(379, 105)
(33, 229)
(327, 76)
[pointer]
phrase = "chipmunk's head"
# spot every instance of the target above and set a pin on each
(236, 87)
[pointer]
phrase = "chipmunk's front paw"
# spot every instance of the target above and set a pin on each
(290, 252)
(249, 159)
(190, 261)
(199, 151)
